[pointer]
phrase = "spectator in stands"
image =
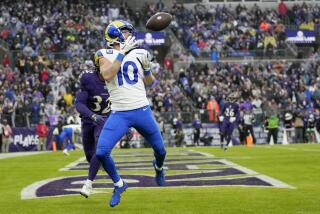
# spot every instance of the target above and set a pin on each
(5, 61)
(282, 9)
(7, 134)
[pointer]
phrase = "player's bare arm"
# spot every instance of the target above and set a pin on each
(108, 69)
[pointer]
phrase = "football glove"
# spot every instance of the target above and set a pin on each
(221, 118)
(232, 119)
(145, 62)
(128, 45)
(98, 119)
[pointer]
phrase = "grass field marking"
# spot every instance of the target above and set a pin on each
(104, 181)
(29, 192)
(21, 154)
(73, 164)
(273, 181)
(202, 153)
(192, 167)
(241, 168)
(288, 148)
(310, 150)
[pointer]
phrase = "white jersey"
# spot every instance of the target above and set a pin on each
(127, 90)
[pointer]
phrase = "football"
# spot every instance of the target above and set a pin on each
(159, 21)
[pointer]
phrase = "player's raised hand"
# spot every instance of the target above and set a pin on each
(145, 62)
(128, 45)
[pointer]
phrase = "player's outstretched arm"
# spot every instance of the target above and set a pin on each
(81, 104)
(146, 65)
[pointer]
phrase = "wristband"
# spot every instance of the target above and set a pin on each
(147, 72)
(120, 57)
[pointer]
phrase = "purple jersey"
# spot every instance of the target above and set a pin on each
(231, 117)
(196, 124)
(231, 112)
(93, 97)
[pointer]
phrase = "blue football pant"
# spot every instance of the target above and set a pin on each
(66, 137)
(117, 125)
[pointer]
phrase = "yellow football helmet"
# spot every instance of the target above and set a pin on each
(113, 32)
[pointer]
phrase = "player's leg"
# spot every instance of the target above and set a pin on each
(88, 142)
(70, 145)
(63, 141)
(223, 133)
(275, 135)
(221, 139)
(252, 134)
(228, 135)
(115, 127)
(146, 125)
(94, 162)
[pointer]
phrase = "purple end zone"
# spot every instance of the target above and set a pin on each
(65, 186)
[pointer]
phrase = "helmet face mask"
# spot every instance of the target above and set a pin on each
(115, 31)
(232, 97)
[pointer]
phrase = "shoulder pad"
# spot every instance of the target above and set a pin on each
(83, 73)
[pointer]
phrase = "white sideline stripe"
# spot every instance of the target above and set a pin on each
(72, 164)
(21, 154)
(289, 148)
(270, 180)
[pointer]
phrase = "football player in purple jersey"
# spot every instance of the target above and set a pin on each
(92, 102)
(229, 117)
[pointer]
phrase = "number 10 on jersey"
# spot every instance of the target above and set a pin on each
(123, 73)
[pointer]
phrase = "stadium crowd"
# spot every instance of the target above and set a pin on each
(225, 30)
(51, 43)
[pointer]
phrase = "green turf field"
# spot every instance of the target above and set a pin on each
(294, 171)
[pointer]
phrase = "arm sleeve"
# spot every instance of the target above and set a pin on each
(81, 100)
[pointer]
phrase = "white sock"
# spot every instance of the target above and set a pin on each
(157, 168)
(119, 183)
(88, 182)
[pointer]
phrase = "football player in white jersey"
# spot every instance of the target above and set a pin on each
(126, 69)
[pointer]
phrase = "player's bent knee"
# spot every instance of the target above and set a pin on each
(161, 152)
(102, 153)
